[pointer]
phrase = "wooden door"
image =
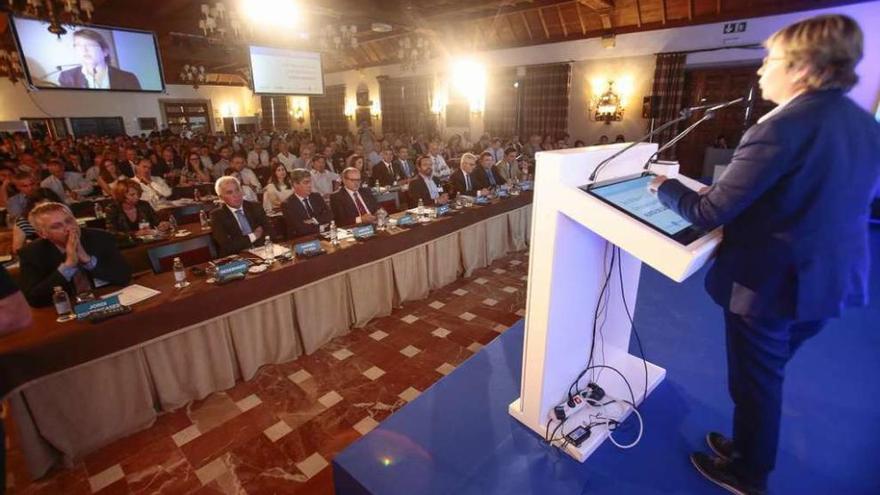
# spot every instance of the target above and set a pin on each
(718, 84)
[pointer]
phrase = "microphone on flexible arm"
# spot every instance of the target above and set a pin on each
(709, 114)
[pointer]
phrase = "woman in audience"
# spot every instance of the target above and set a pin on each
(277, 190)
(547, 143)
(108, 176)
(94, 171)
(357, 161)
(194, 172)
(128, 211)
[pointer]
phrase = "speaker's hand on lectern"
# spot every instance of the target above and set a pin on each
(656, 182)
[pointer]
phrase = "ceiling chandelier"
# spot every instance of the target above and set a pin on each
(338, 38)
(194, 74)
(10, 65)
(54, 12)
(413, 52)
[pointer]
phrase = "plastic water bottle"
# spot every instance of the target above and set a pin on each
(99, 211)
(269, 251)
(203, 219)
(420, 211)
(381, 218)
(144, 225)
(62, 303)
(197, 196)
(334, 236)
(179, 274)
(172, 220)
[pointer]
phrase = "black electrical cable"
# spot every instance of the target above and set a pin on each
(632, 323)
(595, 322)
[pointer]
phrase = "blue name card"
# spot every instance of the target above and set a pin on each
(442, 210)
(83, 310)
(526, 185)
(305, 248)
(406, 220)
(501, 192)
(482, 200)
(363, 231)
(232, 269)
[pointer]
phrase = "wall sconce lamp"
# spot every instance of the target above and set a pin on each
(375, 110)
(299, 115)
(607, 105)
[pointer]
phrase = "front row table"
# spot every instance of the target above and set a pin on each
(75, 387)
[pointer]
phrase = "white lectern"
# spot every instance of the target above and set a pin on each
(567, 262)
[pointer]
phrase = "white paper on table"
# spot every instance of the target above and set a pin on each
(133, 294)
(276, 251)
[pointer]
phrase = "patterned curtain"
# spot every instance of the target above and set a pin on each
(391, 100)
(406, 104)
(668, 91)
(545, 99)
(274, 112)
(500, 116)
(328, 111)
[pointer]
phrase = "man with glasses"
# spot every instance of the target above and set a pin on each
(353, 203)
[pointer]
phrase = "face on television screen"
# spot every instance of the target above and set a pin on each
(89, 57)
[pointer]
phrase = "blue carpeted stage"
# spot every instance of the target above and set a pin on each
(457, 437)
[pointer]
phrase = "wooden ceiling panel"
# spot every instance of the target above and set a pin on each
(452, 24)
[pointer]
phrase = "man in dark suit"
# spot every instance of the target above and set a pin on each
(238, 224)
(794, 204)
(425, 186)
(95, 71)
(67, 256)
(304, 211)
(353, 204)
(385, 173)
(404, 164)
(487, 173)
(464, 181)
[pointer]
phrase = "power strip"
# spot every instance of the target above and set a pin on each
(575, 403)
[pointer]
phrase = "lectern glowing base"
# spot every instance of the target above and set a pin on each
(568, 256)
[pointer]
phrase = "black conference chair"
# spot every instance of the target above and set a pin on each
(191, 252)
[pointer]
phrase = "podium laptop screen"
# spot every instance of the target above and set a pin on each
(631, 196)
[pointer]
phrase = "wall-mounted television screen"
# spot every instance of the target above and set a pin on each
(89, 57)
(279, 71)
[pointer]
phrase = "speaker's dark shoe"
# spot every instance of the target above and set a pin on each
(721, 445)
(718, 471)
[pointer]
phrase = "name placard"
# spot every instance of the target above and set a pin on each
(482, 200)
(232, 269)
(526, 185)
(502, 192)
(83, 310)
(363, 231)
(406, 220)
(306, 248)
(442, 210)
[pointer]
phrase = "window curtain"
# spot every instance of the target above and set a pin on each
(328, 111)
(545, 99)
(274, 112)
(500, 116)
(668, 90)
(406, 104)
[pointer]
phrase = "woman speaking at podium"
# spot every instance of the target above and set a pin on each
(794, 203)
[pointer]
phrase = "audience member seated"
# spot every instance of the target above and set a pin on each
(129, 164)
(155, 189)
(284, 155)
(304, 211)
(257, 156)
(496, 150)
(277, 190)
(247, 176)
(406, 167)
(78, 260)
(603, 139)
(384, 172)
(487, 173)
(220, 166)
(168, 164)
(27, 192)
(464, 181)
(94, 171)
(237, 225)
(128, 212)
(194, 171)
(509, 168)
(441, 169)
(69, 186)
(324, 180)
(108, 175)
(619, 138)
(353, 203)
(425, 186)
(305, 157)
(22, 231)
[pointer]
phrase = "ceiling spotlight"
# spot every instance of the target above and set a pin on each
(380, 27)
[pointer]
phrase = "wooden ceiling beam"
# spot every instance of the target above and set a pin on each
(544, 24)
(690, 10)
(526, 23)
(577, 8)
(604, 8)
(638, 13)
(718, 7)
(663, 11)
(510, 24)
(561, 22)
